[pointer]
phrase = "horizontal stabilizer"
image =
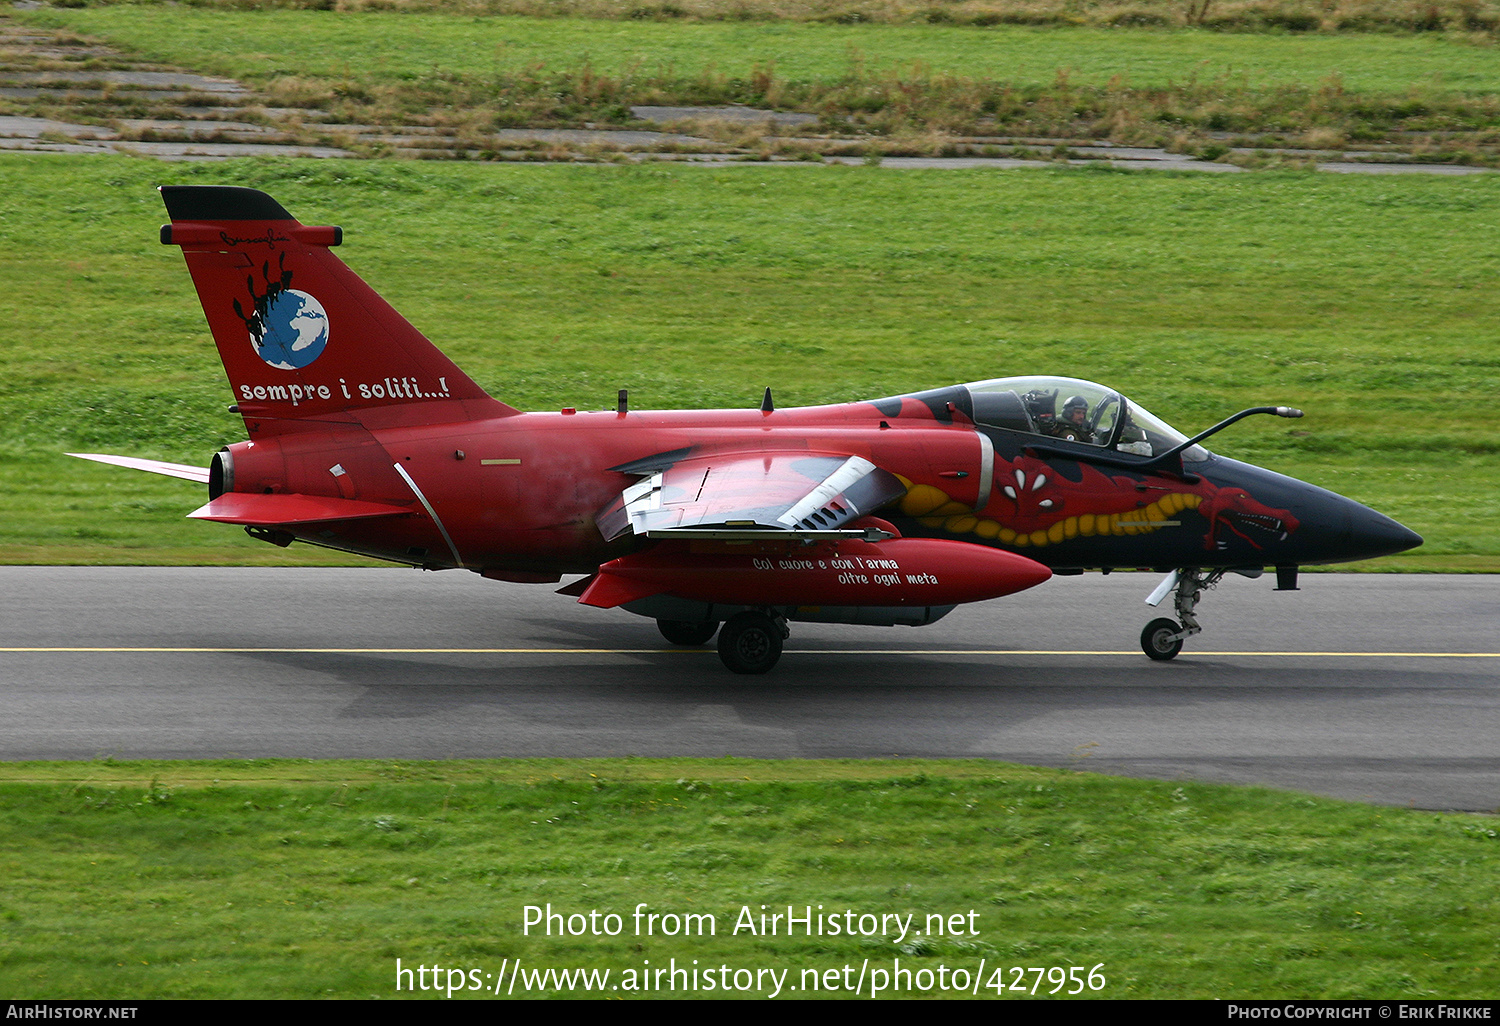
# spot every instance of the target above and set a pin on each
(254, 509)
(182, 470)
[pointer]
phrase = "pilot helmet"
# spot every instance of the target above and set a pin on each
(1075, 402)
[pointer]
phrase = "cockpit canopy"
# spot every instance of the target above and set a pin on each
(1073, 410)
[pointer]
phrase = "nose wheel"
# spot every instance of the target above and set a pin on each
(1162, 639)
(750, 642)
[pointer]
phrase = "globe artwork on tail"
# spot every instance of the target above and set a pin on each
(294, 330)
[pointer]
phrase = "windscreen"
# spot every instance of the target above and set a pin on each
(1070, 409)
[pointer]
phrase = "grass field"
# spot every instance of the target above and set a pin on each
(378, 47)
(310, 879)
(1368, 302)
(1471, 17)
(1429, 92)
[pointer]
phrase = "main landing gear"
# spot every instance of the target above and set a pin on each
(749, 643)
(1162, 639)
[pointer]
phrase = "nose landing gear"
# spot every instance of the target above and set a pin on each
(1162, 639)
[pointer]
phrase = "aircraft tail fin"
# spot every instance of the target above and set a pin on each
(302, 337)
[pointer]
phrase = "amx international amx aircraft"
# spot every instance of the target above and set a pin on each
(364, 437)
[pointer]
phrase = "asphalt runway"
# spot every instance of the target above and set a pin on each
(1380, 688)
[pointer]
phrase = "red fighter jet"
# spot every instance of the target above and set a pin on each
(363, 437)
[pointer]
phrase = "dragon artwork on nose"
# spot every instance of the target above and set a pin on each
(1034, 505)
(1235, 508)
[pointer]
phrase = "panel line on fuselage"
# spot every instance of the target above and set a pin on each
(986, 471)
(457, 560)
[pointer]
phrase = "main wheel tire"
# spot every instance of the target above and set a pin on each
(750, 643)
(1157, 640)
(685, 632)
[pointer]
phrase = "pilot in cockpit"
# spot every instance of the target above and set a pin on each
(1073, 423)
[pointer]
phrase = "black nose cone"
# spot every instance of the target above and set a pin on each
(1374, 534)
(1319, 526)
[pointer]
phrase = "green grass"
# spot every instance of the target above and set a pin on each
(379, 46)
(309, 879)
(1132, 85)
(1470, 17)
(1366, 301)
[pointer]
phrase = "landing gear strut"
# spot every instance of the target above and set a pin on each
(751, 641)
(1162, 639)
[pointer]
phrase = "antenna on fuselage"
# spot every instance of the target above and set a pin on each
(766, 403)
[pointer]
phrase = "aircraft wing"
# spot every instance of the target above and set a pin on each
(740, 495)
(182, 470)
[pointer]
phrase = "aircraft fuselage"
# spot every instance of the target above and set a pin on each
(521, 494)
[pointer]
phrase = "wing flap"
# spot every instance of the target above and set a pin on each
(777, 492)
(257, 510)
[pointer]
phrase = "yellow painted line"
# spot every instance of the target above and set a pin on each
(797, 651)
(363, 651)
(499, 463)
(1136, 652)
